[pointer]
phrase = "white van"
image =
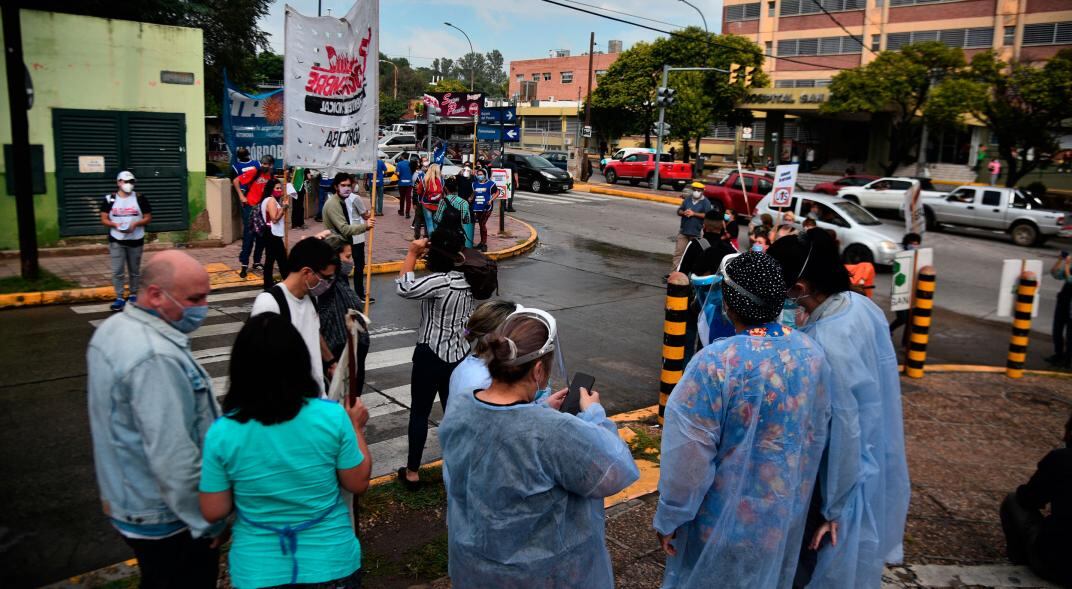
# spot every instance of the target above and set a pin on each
(621, 153)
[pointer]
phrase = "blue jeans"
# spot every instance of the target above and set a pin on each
(250, 241)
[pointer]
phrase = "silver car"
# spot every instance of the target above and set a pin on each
(861, 237)
(448, 168)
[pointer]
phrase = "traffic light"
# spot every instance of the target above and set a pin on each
(734, 68)
(748, 76)
(665, 97)
(433, 113)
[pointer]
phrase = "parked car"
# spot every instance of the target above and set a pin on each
(535, 173)
(887, 193)
(861, 237)
(1011, 210)
(621, 153)
(393, 144)
(639, 167)
(449, 168)
(727, 192)
(560, 159)
(832, 188)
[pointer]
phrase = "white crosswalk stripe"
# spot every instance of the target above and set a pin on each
(562, 198)
(387, 391)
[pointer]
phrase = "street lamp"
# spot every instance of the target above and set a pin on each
(701, 14)
(394, 92)
(470, 52)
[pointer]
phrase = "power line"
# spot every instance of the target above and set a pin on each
(838, 23)
(662, 22)
(679, 34)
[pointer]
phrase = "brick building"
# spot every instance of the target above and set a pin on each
(561, 77)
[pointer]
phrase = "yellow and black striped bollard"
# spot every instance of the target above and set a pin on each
(677, 309)
(922, 314)
(1021, 325)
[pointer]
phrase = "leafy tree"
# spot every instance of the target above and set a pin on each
(900, 80)
(450, 85)
(624, 101)
(268, 68)
(1025, 107)
(391, 110)
(229, 27)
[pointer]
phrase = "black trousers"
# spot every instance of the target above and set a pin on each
(297, 210)
(1022, 527)
(1062, 325)
(178, 562)
(431, 375)
(358, 250)
(275, 254)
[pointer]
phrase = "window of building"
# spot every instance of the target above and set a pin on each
(914, 2)
(963, 38)
(567, 77)
(739, 12)
(601, 73)
(876, 42)
(822, 83)
(800, 83)
(521, 77)
(799, 7)
(1010, 36)
(770, 8)
(768, 47)
(547, 76)
(1053, 33)
(824, 46)
(535, 77)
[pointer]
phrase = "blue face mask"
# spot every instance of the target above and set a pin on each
(757, 248)
(543, 393)
(192, 317)
(789, 314)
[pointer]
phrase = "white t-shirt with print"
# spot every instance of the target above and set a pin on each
(304, 318)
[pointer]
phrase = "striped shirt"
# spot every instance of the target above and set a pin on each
(446, 303)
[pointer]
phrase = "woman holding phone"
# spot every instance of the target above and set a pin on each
(526, 485)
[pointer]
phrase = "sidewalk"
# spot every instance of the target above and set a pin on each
(392, 235)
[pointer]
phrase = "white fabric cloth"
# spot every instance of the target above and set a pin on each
(304, 318)
(276, 227)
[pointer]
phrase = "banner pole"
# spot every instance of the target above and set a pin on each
(286, 211)
(368, 250)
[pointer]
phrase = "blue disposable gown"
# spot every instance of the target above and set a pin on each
(864, 477)
(525, 494)
(744, 434)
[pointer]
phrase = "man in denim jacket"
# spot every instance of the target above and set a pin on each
(150, 405)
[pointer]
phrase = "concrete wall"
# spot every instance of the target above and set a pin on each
(81, 62)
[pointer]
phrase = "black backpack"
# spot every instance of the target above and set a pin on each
(481, 272)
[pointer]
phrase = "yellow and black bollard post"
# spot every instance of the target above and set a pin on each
(1021, 325)
(922, 314)
(677, 309)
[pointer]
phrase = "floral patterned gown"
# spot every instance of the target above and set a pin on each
(744, 434)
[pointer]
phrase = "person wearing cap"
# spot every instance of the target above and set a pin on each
(694, 206)
(525, 482)
(251, 202)
(125, 213)
(857, 524)
(744, 434)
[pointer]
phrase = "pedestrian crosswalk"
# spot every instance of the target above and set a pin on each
(387, 391)
(562, 198)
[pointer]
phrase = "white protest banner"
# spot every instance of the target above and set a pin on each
(1010, 279)
(331, 89)
(785, 180)
(915, 219)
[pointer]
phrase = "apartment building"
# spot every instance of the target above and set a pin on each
(1019, 30)
(560, 76)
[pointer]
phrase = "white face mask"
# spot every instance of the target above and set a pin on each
(344, 191)
(127, 187)
(697, 194)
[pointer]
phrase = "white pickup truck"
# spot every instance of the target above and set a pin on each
(1011, 210)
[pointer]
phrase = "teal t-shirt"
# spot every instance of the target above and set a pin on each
(285, 474)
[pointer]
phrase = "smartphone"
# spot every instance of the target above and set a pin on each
(572, 402)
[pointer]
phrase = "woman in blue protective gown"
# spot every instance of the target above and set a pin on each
(744, 433)
(863, 484)
(526, 483)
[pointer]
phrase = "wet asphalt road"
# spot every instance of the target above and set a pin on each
(598, 269)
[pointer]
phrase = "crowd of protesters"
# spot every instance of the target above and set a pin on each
(782, 461)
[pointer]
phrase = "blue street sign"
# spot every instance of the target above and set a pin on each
(487, 133)
(511, 133)
(490, 115)
(509, 114)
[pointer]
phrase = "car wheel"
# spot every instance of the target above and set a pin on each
(535, 185)
(611, 176)
(852, 198)
(1024, 234)
(858, 254)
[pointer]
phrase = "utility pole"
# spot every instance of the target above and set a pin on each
(588, 105)
(665, 98)
(394, 91)
(18, 104)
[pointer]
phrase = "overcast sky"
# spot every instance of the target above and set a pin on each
(520, 29)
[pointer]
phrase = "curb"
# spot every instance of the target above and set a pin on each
(105, 293)
(627, 194)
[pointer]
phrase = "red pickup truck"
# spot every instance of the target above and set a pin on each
(641, 166)
(727, 194)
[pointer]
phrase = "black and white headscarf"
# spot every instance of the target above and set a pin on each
(754, 288)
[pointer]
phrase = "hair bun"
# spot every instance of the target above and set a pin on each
(503, 349)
